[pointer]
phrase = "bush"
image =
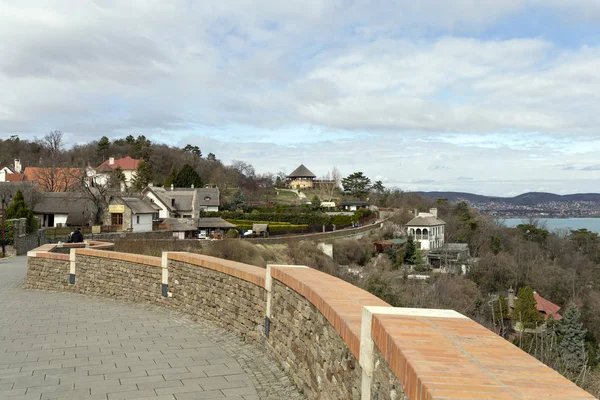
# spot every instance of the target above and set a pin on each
(352, 251)
(307, 253)
(8, 232)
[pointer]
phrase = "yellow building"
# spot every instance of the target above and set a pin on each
(301, 178)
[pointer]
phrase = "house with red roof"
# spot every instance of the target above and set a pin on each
(545, 307)
(99, 176)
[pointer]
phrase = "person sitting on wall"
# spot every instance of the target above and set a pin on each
(77, 236)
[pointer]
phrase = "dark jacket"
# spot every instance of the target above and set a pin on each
(77, 237)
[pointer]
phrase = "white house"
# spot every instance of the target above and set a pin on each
(14, 170)
(427, 229)
(131, 214)
(183, 202)
(99, 176)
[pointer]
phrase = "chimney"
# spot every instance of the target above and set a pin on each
(18, 166)
(511, 298)
(172, 187)
(192, 185)
(433, 211)
(416, 211)
(111, 161)
(150, 184)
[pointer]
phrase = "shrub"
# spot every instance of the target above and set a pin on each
(352, 251)
(307, 253)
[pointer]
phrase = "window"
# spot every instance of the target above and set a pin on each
(207, 198)
(116, 219)
(137, 219)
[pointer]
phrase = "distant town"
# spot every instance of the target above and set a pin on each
(528, 205)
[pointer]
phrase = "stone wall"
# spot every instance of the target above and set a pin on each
(134, 279)
(385, 385)
(335, 340)
(310, 349)
(47, 273)
(231, 302)
(24, 243)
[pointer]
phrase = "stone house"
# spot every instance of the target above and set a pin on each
(183, 202)
(427, 229)
(131, 214)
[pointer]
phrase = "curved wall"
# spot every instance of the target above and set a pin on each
(335, 340)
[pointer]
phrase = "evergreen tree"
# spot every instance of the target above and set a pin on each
(116, 179)
(357, 184)
(187, 177)
(19, 209)
(143, 175)
(315, 202)
(409, 250)
(211, 157)
(172, 176)
(238, 200)
(525, 311)
(103, 146)
(572, 345)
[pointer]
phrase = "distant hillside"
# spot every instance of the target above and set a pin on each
(524, 199)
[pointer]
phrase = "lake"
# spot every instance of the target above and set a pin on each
(553, 224)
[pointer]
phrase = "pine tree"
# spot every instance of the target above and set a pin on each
(409, 250)
(172, 176)
(525, 311)
(143, 175)
(187, 177)
(238, 200)
(572, 345)
(19, 209)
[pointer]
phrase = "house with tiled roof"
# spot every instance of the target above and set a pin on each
(53, 179)
(301, 178)
(12, 173)
(183, 202)
(427, 229)
(99, 176)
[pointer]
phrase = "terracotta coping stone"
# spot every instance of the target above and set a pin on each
(339, 301)
(250, 273)
(53, 256)
(135, 258)
(452, 358)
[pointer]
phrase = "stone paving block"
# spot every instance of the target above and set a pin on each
(213, 394)
(133, 394)
(69, 346)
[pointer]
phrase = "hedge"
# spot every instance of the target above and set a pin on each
(8, 232)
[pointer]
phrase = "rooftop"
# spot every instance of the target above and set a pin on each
(302, 172)
(125, 163)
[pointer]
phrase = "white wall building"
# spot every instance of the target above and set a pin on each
(183, 202)
(427, 229)
(99, 176)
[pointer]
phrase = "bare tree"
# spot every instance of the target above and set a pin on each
(331, 182)
(53, 142)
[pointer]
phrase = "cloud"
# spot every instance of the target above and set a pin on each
(392, 88)
(464, 178)
(595, 167)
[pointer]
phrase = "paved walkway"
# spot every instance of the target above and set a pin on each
(68, 346)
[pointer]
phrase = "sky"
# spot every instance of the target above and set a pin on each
(485, 96)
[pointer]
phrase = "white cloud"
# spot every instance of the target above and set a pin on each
(393, 82)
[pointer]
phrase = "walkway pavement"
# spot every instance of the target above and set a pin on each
(68, 346)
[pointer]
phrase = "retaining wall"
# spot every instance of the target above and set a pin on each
(335, 340)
